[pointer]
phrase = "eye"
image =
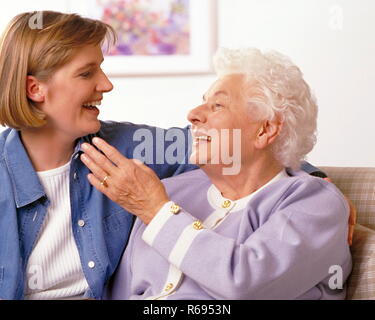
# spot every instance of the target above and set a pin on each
(86, 74)
(217, 106)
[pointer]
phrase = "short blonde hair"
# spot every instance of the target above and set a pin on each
(40, 52)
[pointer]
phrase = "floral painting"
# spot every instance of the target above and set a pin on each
(157, 37)
(147, 27)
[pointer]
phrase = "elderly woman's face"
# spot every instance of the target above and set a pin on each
(223, 126)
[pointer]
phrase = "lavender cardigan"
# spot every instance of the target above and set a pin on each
(286, 241)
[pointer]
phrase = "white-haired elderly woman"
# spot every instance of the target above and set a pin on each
(269, 231)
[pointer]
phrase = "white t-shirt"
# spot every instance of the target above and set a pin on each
(54, 268)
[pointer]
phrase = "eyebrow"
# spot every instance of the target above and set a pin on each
(90, 64)
(216, 94)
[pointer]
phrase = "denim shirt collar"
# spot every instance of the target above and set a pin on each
(26, 185)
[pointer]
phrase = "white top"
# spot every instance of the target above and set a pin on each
(54, 268)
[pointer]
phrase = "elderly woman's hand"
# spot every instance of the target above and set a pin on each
(129, 183)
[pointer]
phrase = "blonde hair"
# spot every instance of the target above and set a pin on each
(28, 51)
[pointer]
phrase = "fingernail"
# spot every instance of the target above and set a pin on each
(96, 140)
(83, 157)
(85, 146)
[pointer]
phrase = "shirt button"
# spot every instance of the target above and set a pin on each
(91, 264)
(75, 176)
(76, 156)
(81, 223)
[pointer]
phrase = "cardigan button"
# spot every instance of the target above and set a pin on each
(226, 204)
(198, 225)
(169, 287)
(175, 209)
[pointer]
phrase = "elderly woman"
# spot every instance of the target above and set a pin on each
(269, 231)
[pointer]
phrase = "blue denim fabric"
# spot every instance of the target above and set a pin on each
(310, 169)
(23, 206)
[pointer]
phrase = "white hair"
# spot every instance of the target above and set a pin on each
(278, 91)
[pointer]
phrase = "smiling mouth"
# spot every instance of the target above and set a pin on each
(203, 138)
(92, 105)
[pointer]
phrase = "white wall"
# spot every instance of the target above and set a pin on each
(337, 58)
(333, 42)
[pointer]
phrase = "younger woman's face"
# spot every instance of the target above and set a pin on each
(73, 95)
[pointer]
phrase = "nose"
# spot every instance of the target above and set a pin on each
(197, 115)
(104, 85)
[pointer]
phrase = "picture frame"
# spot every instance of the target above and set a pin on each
(202, 25)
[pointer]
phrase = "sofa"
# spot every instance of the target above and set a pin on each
(358, 184)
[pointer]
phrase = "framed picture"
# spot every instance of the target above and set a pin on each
(156, 37)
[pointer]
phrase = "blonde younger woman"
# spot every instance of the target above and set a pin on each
(59, 237)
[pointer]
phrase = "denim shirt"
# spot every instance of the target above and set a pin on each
(102, 239)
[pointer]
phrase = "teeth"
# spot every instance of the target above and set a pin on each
(205, 138)
(92, 104)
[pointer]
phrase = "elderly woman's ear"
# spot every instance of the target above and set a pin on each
(267, 133)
